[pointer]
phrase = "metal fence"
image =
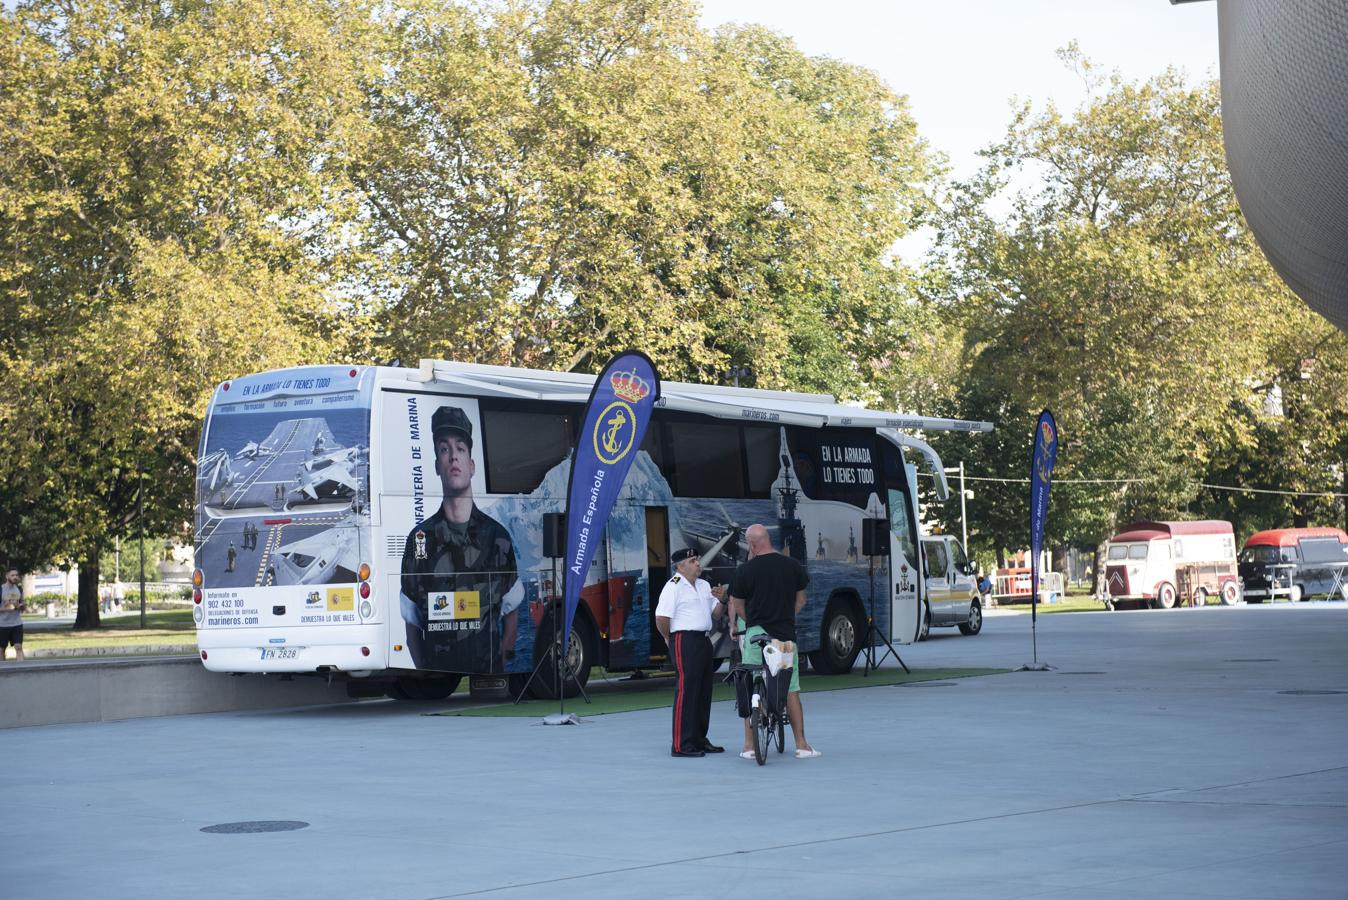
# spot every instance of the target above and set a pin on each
(1016, 587)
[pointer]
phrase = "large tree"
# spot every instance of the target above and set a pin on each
(551, 180)
(1123, 291)
(170, 178)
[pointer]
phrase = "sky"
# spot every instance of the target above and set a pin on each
(961, 61)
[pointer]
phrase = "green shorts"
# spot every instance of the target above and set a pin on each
(753, 656)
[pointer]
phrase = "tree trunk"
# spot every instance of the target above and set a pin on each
(1001, 558)
(1097, 572)
(86, 615)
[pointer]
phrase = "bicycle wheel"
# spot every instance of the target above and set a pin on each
(758, 723)
(781, 733)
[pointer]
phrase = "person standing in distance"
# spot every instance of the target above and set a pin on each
(684, 616)
(766, 593)
(11, 615)
(459, 576)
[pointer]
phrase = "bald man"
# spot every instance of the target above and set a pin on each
(766, 593)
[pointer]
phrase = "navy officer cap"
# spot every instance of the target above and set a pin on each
(451, 418)
(679, 556)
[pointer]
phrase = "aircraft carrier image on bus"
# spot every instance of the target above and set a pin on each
(285, 509)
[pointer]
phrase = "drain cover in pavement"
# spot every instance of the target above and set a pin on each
(254, 827)
(1308, 693)
(1251, 660)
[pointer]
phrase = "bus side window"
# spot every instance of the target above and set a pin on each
(706, 460)
(521, 446)
(762, 461)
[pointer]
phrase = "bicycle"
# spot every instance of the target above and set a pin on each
(762, 694)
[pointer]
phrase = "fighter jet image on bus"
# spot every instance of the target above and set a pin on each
(215, 471)
(252, 450)
(330, 475)
(331, 556)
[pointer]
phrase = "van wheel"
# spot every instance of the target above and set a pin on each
(1200, 598)
(926, 622)
(839, 639)
(1231, 594)
(1297, 593)
(1165, 595)
(975, 623)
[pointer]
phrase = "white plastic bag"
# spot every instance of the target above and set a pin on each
(779, 655)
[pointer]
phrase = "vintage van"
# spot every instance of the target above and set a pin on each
(1295, 563)
(1160, 564)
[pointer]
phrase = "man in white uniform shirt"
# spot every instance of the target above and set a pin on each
(684, 616)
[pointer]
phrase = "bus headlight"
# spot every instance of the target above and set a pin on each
(366, 609)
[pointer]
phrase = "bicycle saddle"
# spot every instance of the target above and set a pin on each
(761, 640)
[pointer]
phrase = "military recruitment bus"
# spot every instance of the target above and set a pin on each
(396, 527)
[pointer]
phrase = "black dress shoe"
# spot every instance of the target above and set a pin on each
(709, 747)
(686, 753)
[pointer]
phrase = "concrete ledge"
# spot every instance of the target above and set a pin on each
(51, 693)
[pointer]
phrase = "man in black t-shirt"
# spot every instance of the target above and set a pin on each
(767, 592)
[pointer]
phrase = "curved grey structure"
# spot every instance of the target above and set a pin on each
(1284, 71)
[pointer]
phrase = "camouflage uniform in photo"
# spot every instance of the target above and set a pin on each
(439, 559)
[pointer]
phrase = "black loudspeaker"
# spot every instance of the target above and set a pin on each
(554, 535)
(874, 537)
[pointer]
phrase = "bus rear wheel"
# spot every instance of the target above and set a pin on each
(839, 639)
(434, 687)
(581, 651)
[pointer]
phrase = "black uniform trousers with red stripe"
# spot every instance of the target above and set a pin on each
(693, 663)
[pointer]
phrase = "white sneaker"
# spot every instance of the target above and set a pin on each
(807, 754)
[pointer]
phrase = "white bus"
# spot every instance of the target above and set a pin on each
(325, 543)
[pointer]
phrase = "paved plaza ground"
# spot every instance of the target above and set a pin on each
(1181, 753)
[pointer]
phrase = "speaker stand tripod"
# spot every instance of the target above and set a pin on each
(553, 653)
(873, 631)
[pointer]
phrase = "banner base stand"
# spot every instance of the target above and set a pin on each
(561, 719)
(1036, 667)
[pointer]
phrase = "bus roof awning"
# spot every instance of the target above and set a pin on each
(740, 404)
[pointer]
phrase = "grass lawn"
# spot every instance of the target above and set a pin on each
(162, 627)
(1070, 603)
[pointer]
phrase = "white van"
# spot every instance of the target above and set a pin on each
(1160, 564)
(952, 586)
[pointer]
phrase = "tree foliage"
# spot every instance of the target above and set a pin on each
(164, 188)
(1123, 291)
(551, 181)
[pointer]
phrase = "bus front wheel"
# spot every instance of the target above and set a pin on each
(839, 639)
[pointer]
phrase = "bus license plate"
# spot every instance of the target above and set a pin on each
(280, 652)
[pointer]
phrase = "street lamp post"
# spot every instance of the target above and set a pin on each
(964, 495)
(140, 525)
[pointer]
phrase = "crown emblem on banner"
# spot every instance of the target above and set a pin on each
(630, 386)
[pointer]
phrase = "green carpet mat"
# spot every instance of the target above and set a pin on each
(657, 692)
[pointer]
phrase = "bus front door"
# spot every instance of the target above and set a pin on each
(904, 569)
